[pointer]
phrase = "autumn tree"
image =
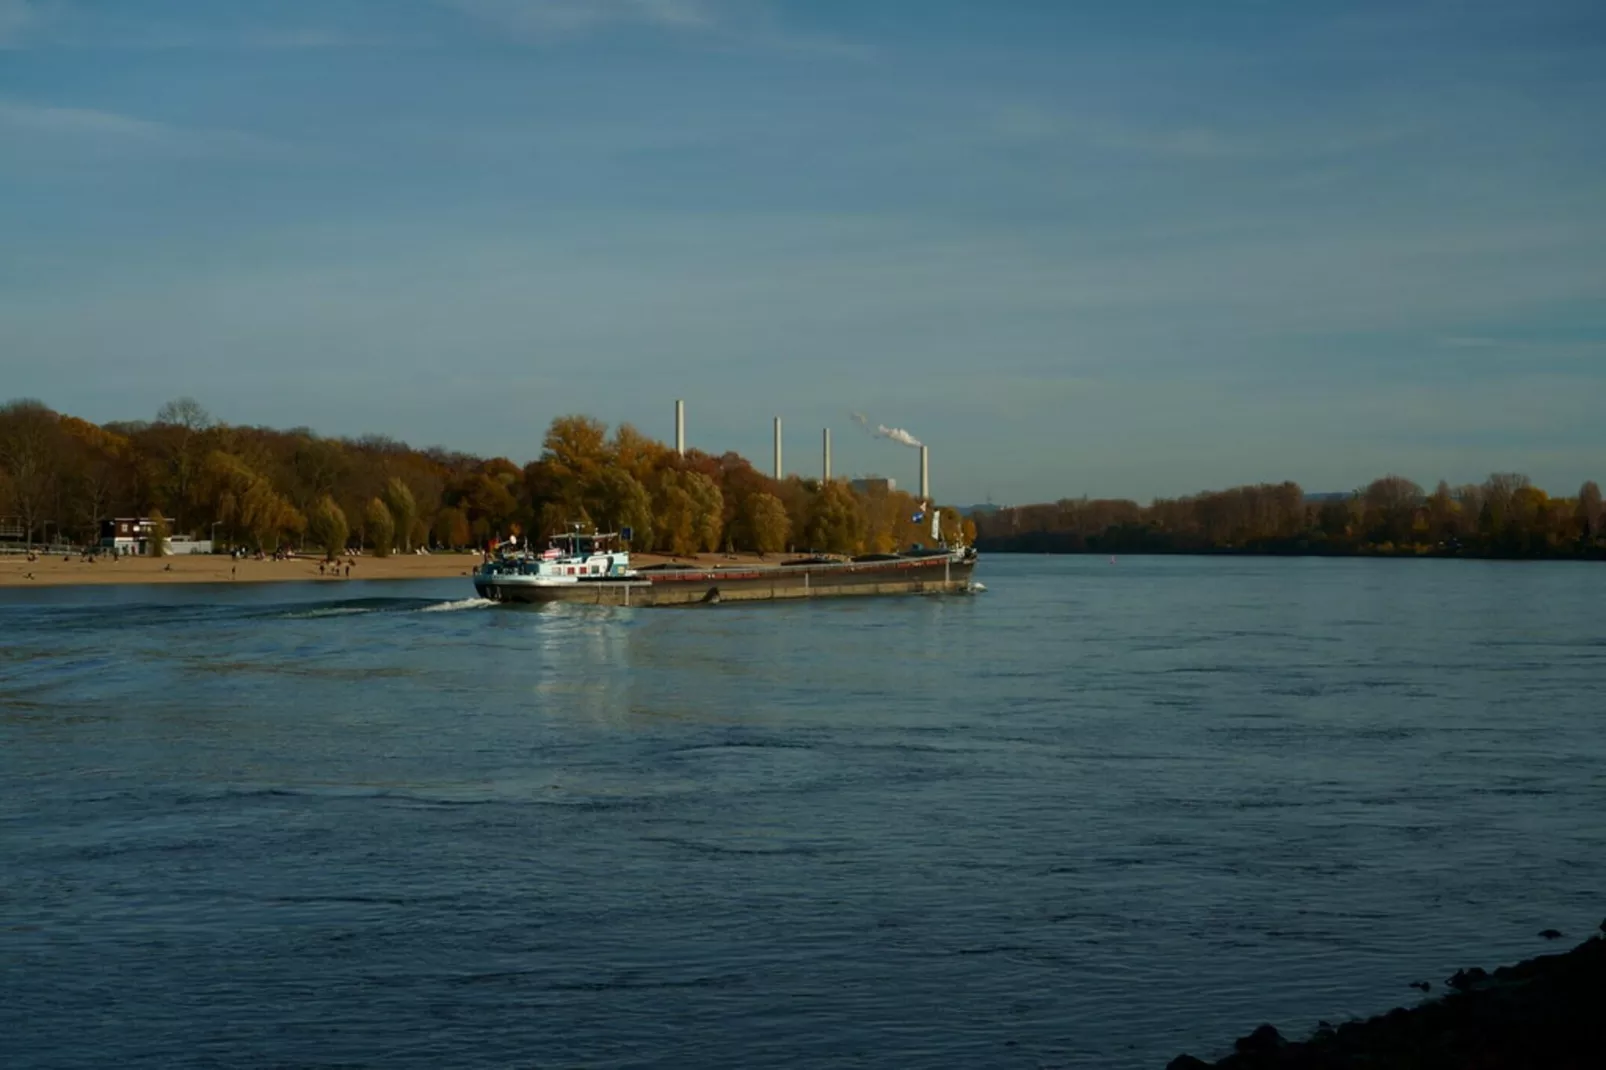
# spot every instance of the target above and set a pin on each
(1589, 510)
(181, 427)
(1442, 512)
(709, 504)
(95, 475)
(886, 519)
(451, 528)
(326, 525)
(766, 523)
(317, 468)
(1497, 493)
(674, 516)
(488, 500)
(1391, 505)
(30, 452)
(618, 500)
(636, 454)
(403, 509)
(158, 539)
(835, 522)
(575, 448)
(379, 528)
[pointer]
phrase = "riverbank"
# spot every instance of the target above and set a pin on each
(1100, 547)
(17, 571)
(1543, 1012)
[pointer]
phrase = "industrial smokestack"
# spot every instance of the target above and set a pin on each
(925, 475)
(777, 447)
(680, 427)
(826, 440)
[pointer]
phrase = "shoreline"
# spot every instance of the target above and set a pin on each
(1542, 1011)
(1000, 547)
(16, 571)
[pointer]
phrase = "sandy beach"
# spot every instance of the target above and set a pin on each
(17, 571)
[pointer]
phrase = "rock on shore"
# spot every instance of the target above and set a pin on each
(1546, 1012)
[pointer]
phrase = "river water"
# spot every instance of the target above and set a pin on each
(1095, 816)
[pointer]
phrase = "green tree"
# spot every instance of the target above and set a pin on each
(379, 528)
(403, 511)
(327, 526)
(766, 522)
(158, 539)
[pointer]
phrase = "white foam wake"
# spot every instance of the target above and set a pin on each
(451, 607)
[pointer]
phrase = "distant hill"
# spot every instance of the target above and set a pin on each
(977, 510)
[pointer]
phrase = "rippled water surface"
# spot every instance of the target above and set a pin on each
(1095, 816)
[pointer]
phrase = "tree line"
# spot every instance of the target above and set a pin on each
(263, 489)
(1504, 516)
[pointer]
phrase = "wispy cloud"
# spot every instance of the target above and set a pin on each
(24, 126)
(78, 24)
(1030, 124)
(1467, 342)
(711, 23)
(545, 18)
(42, 118)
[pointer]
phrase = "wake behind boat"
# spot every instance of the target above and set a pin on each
(589, 568)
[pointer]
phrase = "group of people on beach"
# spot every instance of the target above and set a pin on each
(332, 567)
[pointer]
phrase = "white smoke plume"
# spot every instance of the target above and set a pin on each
(896, 434)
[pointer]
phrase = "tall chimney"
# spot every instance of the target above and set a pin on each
(826, 439)
(778, 470)
(680, 427)
(925, 476)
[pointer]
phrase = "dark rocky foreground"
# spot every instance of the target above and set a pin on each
(1547, 1012)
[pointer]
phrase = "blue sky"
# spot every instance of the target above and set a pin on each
(1109, 249)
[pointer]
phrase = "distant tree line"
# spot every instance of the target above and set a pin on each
(1504, 516)
(265, 489)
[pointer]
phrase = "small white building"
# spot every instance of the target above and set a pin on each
(131, 536)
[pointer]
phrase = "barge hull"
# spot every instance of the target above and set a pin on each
(767, 584)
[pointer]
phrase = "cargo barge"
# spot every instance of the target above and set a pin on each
(582, 568)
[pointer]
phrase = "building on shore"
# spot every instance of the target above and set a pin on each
(875, 485)
(131, 536)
